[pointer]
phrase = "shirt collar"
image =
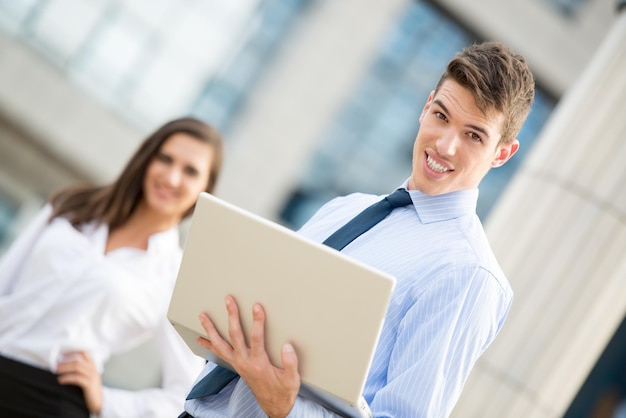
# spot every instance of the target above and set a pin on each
(166, 241)
(445, 206)
(159, 243)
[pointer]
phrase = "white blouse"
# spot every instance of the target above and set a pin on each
(60, 292)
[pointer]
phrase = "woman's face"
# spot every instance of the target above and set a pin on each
(177, 174)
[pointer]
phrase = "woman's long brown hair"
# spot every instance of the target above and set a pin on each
(113, 204)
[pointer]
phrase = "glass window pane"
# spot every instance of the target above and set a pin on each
(200, 38)
(568, 8)
(167, 87)
(261, 32)
(113, 53)
(63, 25)
(229, 16)
(13, 13)
(154, 13)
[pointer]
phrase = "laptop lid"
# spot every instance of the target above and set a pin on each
(330, 307)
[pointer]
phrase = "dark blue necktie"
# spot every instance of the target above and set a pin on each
(212, 383)
(365, 220)
(219, 377)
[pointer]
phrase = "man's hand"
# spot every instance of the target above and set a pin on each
(274, 388)
(77, 368)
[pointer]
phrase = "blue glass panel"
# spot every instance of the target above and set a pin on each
(568, 8)
(225, 93)
(7, 216)
(14, 13)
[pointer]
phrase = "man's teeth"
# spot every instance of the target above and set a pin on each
(434, 165)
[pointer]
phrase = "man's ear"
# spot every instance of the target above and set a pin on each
(505, 152)
(427, 105)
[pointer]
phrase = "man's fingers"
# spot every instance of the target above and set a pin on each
(235, 332)
(214, 339)
(290, 362)
(257, 334)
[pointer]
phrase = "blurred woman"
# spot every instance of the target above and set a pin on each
(92, 276)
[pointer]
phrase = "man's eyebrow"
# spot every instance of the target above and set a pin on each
(445, 109)
(441, 105)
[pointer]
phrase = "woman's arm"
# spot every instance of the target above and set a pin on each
(180, 367)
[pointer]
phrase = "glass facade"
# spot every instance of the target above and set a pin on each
(568, 8)
(603, 395)
(7, 215)
(368, 147)
(147, 59)
(225, 93)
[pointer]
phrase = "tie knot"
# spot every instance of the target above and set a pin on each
(369, 217)
(399, 198)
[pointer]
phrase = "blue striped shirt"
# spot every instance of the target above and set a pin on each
(450, 301)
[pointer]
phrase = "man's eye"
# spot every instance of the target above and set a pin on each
(475, 136)
(440, 115)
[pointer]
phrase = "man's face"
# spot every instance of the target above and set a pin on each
(456, 144)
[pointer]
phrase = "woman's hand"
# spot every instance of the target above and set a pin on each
(77, 368)
(275, 388)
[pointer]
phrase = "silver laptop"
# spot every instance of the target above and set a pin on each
(330, 307)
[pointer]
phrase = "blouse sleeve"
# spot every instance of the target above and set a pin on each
(13, 260)
(180, 369)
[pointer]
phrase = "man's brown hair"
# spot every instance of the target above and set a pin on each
(499, 79)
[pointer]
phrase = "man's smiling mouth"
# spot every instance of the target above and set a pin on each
(435, 166)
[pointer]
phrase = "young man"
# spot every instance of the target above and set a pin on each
(451, 298)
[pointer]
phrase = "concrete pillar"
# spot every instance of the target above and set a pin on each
(560, 234)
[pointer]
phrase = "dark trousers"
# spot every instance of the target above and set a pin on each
(30, 392)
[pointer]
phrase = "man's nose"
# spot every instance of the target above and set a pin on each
(447, 143)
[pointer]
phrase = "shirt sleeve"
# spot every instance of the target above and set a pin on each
(439, 339)
(180, 368)
(13, 260)
(306, 408)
